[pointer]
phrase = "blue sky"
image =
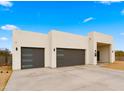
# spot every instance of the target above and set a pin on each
(74, 17)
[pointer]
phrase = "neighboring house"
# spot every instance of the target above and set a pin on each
(58, 49)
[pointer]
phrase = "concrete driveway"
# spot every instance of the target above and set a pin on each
(67, 78)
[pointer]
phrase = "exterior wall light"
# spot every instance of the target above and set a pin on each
(95, 53)
(16, 49)
(54, 49)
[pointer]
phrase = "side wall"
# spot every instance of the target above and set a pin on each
(67, 40)
(28, 39)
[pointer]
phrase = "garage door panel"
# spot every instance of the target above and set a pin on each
(32, 57)
(70, 57)
(38, 56)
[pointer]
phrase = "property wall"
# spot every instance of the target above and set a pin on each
(28, 39)
(5, 61)
(94, 38)
(66, 40)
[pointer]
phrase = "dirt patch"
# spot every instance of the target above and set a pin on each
(5, 73)
(119, 65)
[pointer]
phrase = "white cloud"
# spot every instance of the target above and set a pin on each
(122, 12)
(3, 38)
(109, 2)
(122, 34)
(9, 27)
(6, 3)
(88, 19)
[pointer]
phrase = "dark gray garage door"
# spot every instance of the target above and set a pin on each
(32, 57)
(70, 57)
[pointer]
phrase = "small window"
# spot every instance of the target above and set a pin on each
(60, 55)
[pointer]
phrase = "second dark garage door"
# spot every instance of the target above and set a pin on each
(32, 57)
(70, 57)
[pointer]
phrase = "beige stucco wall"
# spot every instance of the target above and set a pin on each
(66, 40)
(56, 39)
(104, 53)
(28, 39)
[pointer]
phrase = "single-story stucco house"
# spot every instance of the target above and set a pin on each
(58, 49)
